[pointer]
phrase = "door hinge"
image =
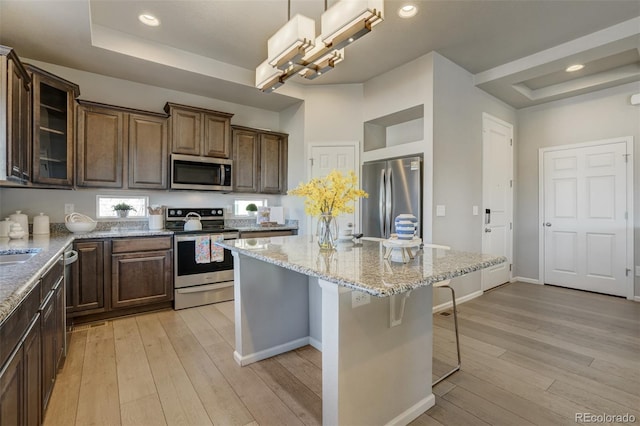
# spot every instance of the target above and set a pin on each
(511, 183)
(510, 142)
(311, 159)
(510, 226)
(626, 157)
(509, 267)
(627, 271)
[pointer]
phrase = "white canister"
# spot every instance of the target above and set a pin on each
(156, 222)
(41, 224)
(5, 226)
(22, 219)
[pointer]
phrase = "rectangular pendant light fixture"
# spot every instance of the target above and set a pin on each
(289, 44)
(295, 49)
(348, 20)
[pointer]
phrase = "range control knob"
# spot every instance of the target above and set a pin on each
(220, 212)
(172, 212)
(179, 212)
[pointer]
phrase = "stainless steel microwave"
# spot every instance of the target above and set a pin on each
(200, 173)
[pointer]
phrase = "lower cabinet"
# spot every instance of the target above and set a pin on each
(85, 291)
(113, 274)
(141, 278)
(12, 390)
(49, 353)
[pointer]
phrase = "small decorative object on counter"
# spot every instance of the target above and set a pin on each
(22, 219)
(5, 226)
(41, 224)
(16, 232)
(156, 218)
(327, 197)
(264, 215)
(406, 225)
(252, 209)
(122, 209)
(79, 223)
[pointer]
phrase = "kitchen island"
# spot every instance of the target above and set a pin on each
(376, 351)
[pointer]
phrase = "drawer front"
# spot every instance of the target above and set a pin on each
(140, 244)
(12, 329)
(51, 277)
(266, 234)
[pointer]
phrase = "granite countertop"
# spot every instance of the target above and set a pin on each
(362, 266)
(258, 228)
(17, 279)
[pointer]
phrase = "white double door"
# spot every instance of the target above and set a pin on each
(584, 224)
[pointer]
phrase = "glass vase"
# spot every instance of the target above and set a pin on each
(327, 232)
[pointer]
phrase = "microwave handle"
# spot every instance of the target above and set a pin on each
(223, 174)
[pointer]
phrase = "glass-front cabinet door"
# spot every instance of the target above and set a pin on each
(53, 127)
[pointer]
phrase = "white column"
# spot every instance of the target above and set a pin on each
(373, 373)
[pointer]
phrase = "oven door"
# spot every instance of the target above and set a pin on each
(189, 273)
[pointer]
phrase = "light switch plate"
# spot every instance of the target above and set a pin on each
(440, 210)
(359, 298)
(475, 210)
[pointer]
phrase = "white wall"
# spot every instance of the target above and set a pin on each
(457, 161)
(600, 115)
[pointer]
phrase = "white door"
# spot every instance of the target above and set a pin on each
(585, 229)
(324, 159)
(497, 197)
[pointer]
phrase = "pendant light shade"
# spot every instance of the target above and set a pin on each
(348, 20)
(268, 77)
(290, 43)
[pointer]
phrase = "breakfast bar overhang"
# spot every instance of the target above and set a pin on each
(375, 317)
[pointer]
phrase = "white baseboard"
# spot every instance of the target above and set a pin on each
(414, 411)
(525, 280)
(268, 353)
(447, 305)
(315, 343)
(636, 298)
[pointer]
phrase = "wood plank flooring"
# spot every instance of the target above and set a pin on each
(531, 355)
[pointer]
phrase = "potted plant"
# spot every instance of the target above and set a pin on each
(122, 209)
(252, 209)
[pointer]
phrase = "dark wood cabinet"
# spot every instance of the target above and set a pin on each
(147, 151)
(260, 161)
(20, 364)
(15, 112)
(48, 332)
(246, 168)
(85, 292)
(198, 131)
(121, 147)
(100, 146)
(53, 128)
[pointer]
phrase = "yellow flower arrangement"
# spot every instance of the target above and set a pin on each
(332, 194)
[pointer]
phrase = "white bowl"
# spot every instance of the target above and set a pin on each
(81, 227)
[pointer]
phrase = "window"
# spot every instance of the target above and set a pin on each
(105, 203)
(240, 206)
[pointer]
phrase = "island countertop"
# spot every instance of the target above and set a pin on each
(362, 266)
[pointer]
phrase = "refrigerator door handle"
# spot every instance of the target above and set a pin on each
(382, 203)
(389, 201)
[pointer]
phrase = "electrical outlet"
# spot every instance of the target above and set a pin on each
(359, 298)
(69, 208)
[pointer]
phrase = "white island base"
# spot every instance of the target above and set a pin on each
(376, 357)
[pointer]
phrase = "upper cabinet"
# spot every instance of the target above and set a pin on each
(197, 131)
(260, 161)
(118, 146)
(53, 127)
(15, 118)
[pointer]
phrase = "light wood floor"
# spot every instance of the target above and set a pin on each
(531, 355)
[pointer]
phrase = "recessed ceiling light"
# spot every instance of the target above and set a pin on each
(408, 11)
(149, 20)
(576, 67)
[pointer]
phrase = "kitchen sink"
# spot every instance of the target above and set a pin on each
(17, 255)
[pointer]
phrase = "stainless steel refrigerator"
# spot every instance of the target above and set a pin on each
(394, 187)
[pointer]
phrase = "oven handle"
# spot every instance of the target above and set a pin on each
(201, 288)
(181, 238)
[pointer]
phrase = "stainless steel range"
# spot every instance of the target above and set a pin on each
(197, 281)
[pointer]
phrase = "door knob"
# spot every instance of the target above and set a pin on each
(547, 224)
(487, 229)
